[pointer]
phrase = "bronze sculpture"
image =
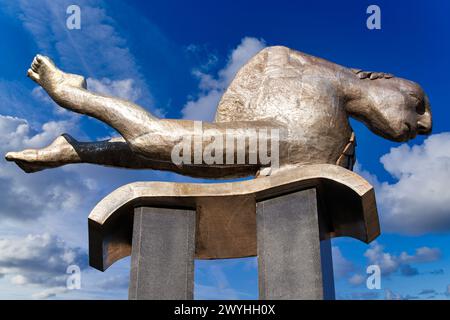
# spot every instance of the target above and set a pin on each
(164, 226)
(307, 99)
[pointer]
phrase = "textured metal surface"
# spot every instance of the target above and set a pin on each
(307, 98)
(226, 216)
(289, 253)
(162, 257)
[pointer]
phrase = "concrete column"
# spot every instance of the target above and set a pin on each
(293, 263)
(162, 255)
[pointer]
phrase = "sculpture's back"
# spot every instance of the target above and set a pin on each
(301, 92)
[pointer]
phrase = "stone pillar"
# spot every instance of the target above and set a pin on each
(162, 254)
(293, 262)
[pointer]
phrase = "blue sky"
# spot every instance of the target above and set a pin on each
(175, 58)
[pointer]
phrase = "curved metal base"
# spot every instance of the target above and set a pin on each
(226, 212)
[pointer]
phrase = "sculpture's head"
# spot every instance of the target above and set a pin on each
(394, 108)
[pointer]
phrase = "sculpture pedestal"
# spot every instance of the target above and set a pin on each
(162, 254)
(286, 219)
(292, 261)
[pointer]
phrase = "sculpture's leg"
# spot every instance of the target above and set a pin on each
(66, 150)
(115, 152)
(68, 91)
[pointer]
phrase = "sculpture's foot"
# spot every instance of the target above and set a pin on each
(44, 72)
(58, 153)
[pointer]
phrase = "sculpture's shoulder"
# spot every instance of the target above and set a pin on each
(235, 102)
(238, 101)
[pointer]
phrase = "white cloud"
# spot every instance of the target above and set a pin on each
(423, 254)
(341, 266)
(17, 132)
(58, 201)
(419, 201)
(390, 263)
(357, 279)
(204, 108)
(243, 52)
(49, 293)
(40, 261)
(386, 261)
(97, 49)
(212, 88)
(30, 196)
(39, 94)
(19, 280)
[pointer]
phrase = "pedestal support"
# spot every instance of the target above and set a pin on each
(292, 261)
(162, 254)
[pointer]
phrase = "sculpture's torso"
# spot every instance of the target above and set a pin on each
(301, 92)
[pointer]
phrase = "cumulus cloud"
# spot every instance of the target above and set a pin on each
(49, 293)
(17, 132)
(402, 264)
(418, 202)
(341, 266)
(212, 88)
(390, 263)
(357, 279)
(30, 196)
(422, 254)
(58, 201)
(40, 260)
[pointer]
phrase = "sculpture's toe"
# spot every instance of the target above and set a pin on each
(25, 155)
(26, 160)
(9, 156)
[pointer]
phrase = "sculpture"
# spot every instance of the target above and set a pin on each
(307, 99)
(298, 206)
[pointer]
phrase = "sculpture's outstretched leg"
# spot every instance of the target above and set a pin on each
(115, 153)
(66, 150)
(69, 91)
